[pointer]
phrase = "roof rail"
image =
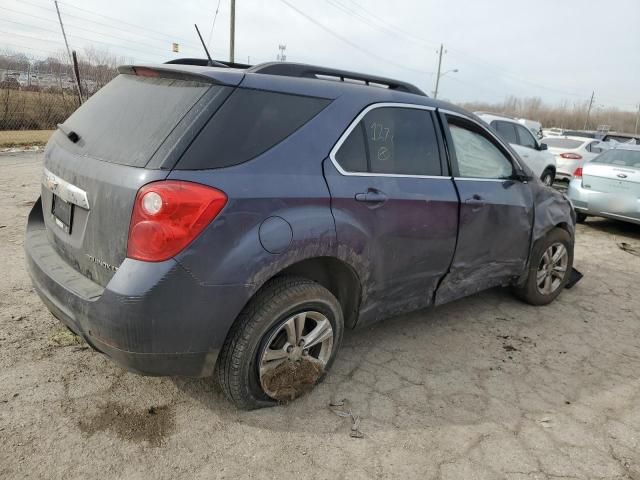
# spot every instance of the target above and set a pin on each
(203, 62)
(288, 69)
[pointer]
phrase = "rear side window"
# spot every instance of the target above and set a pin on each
(506, 131)
(392, 140)
(128, 119)
(249, 123)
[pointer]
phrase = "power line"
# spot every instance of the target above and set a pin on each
(213, 24)
(158, 35)
(349, 42)
(82, 38)
(385, 24)
(397, 31)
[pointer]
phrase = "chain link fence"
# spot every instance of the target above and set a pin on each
(38, 94)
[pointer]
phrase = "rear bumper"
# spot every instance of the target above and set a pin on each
(151, 318)
(601, 204)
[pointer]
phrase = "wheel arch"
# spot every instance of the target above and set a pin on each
(336, 276)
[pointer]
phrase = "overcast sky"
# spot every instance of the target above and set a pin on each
(554, 49)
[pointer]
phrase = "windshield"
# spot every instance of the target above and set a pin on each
(562, 142)
(622, 158)
(128, 119)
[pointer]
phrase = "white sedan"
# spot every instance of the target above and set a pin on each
(571, 153)
(608, 186)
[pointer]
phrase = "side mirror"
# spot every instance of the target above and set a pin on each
(520, 175)
(543, 146)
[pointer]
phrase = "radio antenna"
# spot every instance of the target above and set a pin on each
(211, 63)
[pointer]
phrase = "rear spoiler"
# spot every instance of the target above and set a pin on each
(219, 76)
(204, 62)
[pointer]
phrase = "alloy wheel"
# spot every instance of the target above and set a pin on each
(552, 268)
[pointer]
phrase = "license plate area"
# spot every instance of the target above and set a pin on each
(62, 213)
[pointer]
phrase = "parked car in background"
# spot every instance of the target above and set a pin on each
(533, 152)
(608, 185)
(533, 126)
(236, 220)
(571, 153)
(579, 133)
(552, 132)
(621, 138)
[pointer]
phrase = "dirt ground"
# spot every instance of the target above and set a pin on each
(14, 138)
(486, 387)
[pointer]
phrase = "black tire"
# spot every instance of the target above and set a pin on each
(581, 217)
(279, 299)
(529, 292)
(547, 177)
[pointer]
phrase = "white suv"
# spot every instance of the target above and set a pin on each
(533, 152)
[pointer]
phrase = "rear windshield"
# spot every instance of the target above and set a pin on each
(128, 119)
(622, 158)
(620, 139)
(562, 142)
(249, 123)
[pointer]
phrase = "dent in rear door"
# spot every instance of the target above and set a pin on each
(397, 229)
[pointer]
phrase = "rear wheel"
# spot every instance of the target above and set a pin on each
(549, 268)
(281, 344)
(548, 177)
(581, 217)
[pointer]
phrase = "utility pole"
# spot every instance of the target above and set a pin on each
(64, 35)
(637, 119)
(589, 110)
(232, 43)
(282, 57)
(435, 93)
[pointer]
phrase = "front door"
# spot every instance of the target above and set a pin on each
(395, 207)
(496, 211)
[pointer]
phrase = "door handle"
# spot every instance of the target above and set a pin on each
(476, 201)
(371, 196)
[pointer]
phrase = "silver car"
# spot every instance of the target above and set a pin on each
(608, 186)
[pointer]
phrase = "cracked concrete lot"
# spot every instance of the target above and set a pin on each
(486, 387)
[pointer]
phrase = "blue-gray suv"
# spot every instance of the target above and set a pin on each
(234, 220)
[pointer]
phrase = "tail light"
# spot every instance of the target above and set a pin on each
(578, 173)
(169, 215)
(571, 156)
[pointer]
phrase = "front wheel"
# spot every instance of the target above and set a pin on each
(282, 343)
(549, 268)
(547, 178)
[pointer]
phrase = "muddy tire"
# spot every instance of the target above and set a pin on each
(261, 333)
(549, 268)
(581, 217)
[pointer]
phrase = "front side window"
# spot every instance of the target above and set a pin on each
(476, 154)
(392, 140)
(526, 138)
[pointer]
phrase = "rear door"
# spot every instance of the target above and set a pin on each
(123, 135)
(395, 206)
(496, 211)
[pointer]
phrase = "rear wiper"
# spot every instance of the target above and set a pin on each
(70, 134)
